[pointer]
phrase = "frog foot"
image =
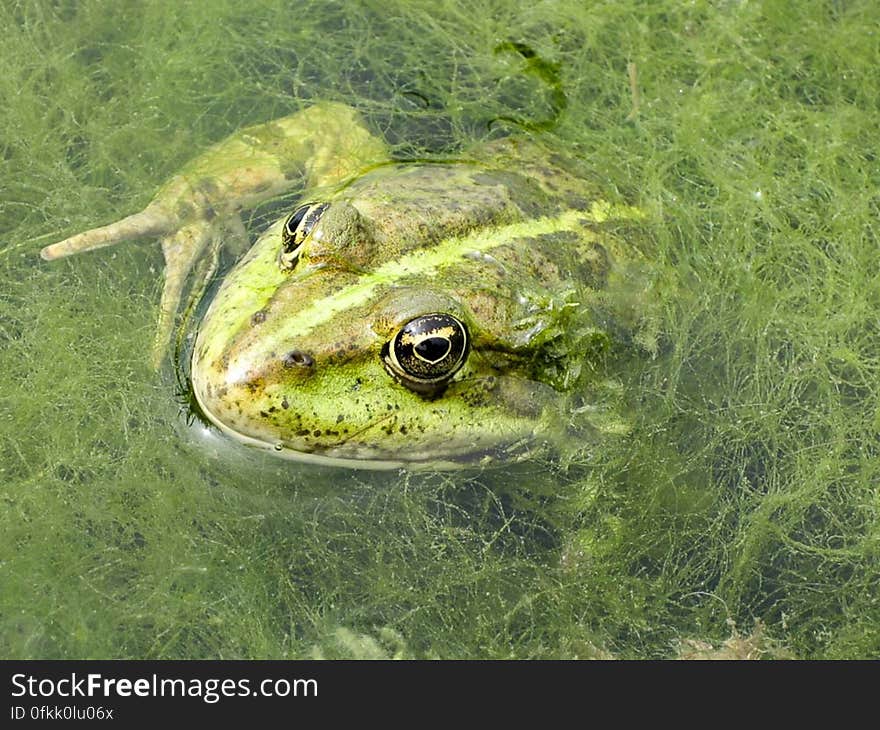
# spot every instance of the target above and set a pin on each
(183, 246)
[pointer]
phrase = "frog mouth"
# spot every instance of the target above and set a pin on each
(343, 452)
(349, 452)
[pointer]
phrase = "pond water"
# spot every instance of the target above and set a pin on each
(742, 506)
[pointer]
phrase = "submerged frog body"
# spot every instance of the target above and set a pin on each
(404, 313)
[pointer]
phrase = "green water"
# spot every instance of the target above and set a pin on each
(748, 488)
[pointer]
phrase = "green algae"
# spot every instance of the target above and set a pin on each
(747, 490)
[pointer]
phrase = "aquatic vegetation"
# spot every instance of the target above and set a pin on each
(747, 488)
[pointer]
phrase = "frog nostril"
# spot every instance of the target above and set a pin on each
(297, 359)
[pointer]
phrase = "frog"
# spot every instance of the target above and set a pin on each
(402, 313)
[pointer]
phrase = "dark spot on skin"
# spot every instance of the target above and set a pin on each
(403, 429)
(316, 432)
(258, 317)
(207, 186)
(340, 418)
(560, 161)
(303, 432)
(272, 409)
(264, 414)
(184, 210)
(297, 359)
(284, 404)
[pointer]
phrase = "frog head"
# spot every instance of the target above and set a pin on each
(365, 331)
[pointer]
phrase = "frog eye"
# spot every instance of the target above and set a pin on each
(296, 229)
(426, 352)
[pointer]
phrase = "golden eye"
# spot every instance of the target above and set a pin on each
(296, 229)
(426, 352)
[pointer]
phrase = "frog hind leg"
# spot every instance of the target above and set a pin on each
(205, 260)
(182, 251)
(149, 222)
(182, 248)
(324, 144)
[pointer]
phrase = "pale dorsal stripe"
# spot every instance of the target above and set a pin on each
(426, 263)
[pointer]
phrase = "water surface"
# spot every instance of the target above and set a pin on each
(747, 490)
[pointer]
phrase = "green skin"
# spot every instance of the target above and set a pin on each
(521, 251)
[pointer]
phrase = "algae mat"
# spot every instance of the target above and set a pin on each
(744, 501)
